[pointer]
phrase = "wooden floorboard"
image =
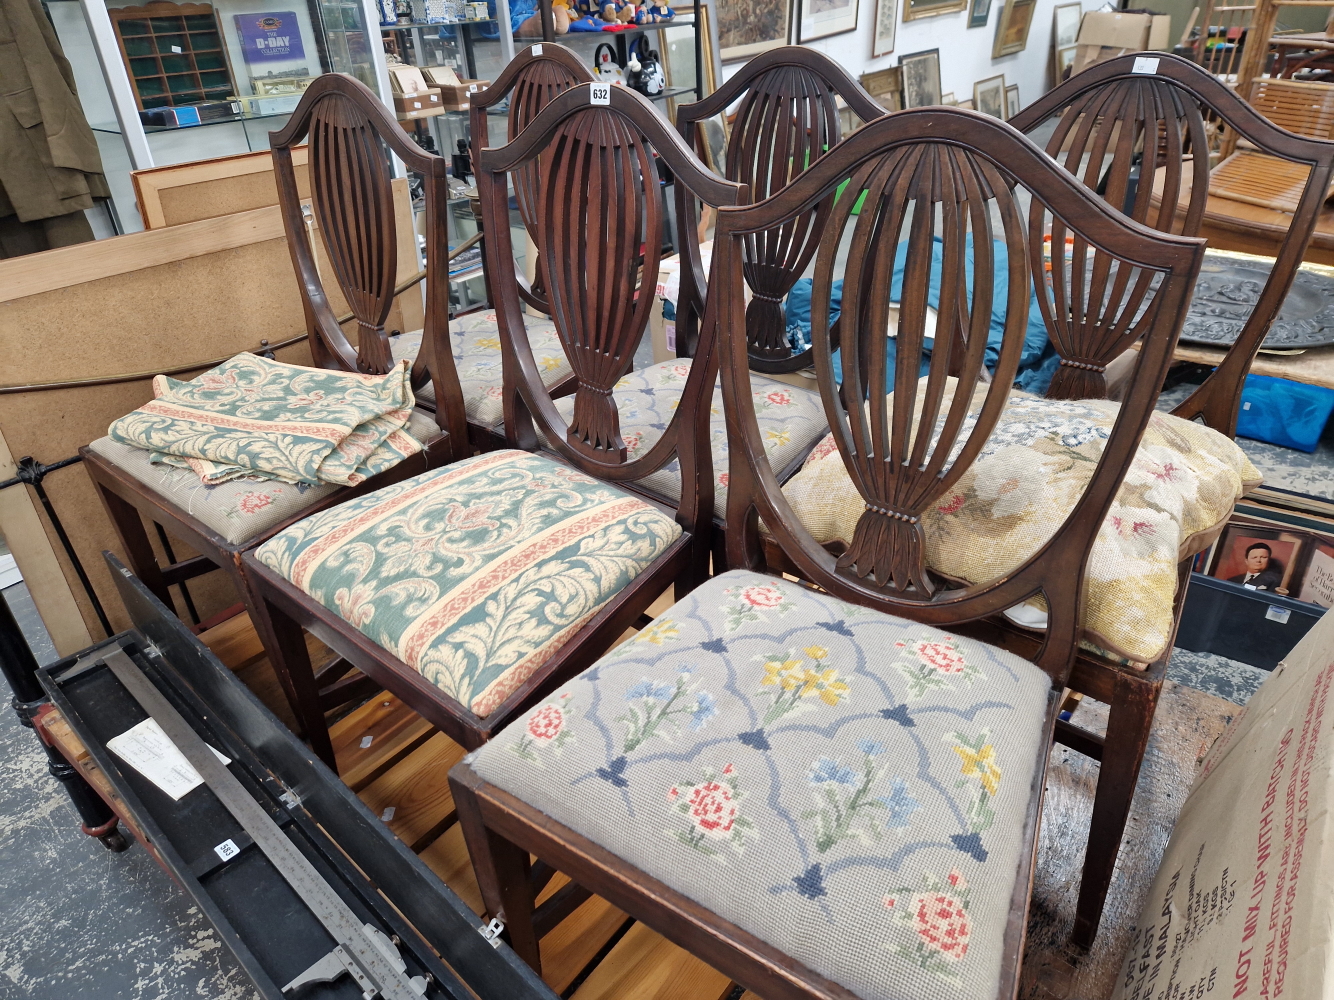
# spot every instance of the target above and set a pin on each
(646, 966)
(413, 797)
(234, 642)
(371, 739)
(448, 858)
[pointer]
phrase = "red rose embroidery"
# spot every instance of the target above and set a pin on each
(942, 923)
(546, 723)
(779, 398)
(495, 392)
(712, 809)
(762, 597)
(683, 371)
(954, 504)
(252, 503)
(723, 478)
(941, 656)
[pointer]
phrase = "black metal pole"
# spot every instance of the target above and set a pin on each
(20, 669)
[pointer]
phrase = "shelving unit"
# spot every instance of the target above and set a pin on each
(174, 53)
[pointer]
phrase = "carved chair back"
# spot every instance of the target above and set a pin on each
(535, 76)
(786, 120)
(1126, 128)
(948, 178)
(351, 135)
(599, 230)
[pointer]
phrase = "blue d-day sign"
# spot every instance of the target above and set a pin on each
(270, 37)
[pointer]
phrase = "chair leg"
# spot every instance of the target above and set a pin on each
(503, 874)
(1133, 704)
(134, 538)
(285, 643)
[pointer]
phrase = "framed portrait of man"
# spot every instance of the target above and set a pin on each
(1258, 558)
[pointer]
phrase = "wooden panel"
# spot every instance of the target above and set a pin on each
(394, 731)
(206, 189)
(417, 792)
(1257, 179)
(646, 966)
(1298, 106)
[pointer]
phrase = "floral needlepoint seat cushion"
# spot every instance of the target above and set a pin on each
(240, 509)
(476, 574)
(791, 421)
(476, 341)
(1175, 500)
(848, 786)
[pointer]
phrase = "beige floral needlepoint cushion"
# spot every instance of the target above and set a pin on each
(477, 574)
(1174, 501)
(848, 786)
(791, 421)
(475, 338)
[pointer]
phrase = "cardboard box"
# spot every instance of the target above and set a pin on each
(407, 104)
(406, 80)
(1243, 903)
(1120, 30)
(457, 98)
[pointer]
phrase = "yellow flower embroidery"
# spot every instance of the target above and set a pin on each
(549, 364)
(981, 764)
(779, 437)
(788, 673)
(816, 652)
(492, 343)
(658, 631)
(830, 689)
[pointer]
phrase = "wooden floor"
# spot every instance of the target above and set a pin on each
(394, 761)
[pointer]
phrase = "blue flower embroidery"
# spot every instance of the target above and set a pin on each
(870, 747)
(659, 690)
(899, 804)
(706, 707)
(829, 770)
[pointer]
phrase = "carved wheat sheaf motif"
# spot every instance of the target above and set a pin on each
(915, 198)
(600, 218)
(1096, 307)
(786, 121)
(353, 205)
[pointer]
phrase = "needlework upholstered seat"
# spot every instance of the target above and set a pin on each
(847, 785)
(475, 339)
(791, 421)
(474, 575)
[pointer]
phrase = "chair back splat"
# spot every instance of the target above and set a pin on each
(786, 120)
(927, 183)
(351, 136)
(535, 76)
(599, 231)
(1133, 136)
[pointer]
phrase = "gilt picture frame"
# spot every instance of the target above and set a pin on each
(1016, 17)
(913, 9)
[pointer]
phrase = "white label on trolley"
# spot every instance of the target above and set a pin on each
(599, 93)
(1145, 64)
(537, 49)
(227, 850)
(1277, 614)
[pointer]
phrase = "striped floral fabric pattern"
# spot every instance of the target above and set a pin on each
(848, 786)
(476, 574)
(254, 417)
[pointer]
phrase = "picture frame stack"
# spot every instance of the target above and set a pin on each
(1066, 19)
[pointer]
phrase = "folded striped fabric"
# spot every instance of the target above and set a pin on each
(254, 417)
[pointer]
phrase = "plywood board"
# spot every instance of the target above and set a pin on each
(206, 189)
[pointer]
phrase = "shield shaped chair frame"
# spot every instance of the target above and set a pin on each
(884, 569)
(786, 119)
(353, 200)
(599, 357)
(1122, 115)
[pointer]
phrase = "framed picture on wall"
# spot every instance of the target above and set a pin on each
(886, 23)
(822, 18)
(913, 9)
(1016, 17)
(921, 78)
(748, 27)
(978, 12)
(1065, 59)
(886, 86)
(1065, 24)
(1011, 101)
(989, 96)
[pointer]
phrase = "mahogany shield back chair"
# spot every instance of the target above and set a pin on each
(1118, 121)
(471, 591)
(787, 119)
(829, 792)
(351, 135)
